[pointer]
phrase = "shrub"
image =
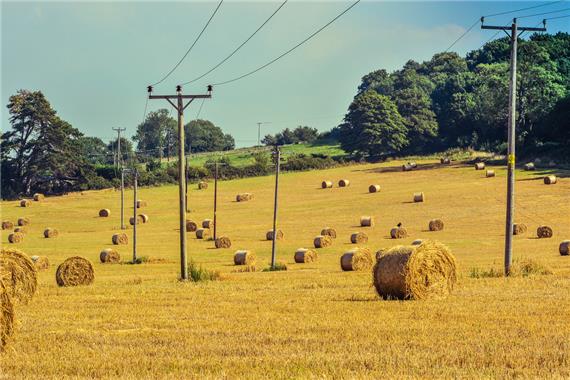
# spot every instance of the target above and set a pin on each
(199, 274)
(278, 267)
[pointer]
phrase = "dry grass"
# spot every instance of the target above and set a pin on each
(293, 324)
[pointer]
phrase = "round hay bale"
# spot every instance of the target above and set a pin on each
(423, 271)
(25, 203)
(435, 225)
(417, 242)
(329, 231)
(75, 271)
(544, 232)
(120, 238)
(140, 219)
(322, 241)
(109, 255)
(490, 173)
(203, 233)
(104, 213)
(19, 274)
(223, 242)
(244, 257)
(16, 237)
(550, 180)
(358, 259)
(407, 167)
(479, 166)
(445, 160)
(244, 197)
(141, 203)
(22, 230)
(529, 166)
(343, 183)
(269, 235)
(202, 185)
(379, 253)
(304, 255)
(359, 238)
(207, 223)
(366, 221)
(7, 225)
(191, 226)
(40, 262)
(51, 233)
(564, 248)
(419, 197)
(413, 164)
(38, 197)
(6, 314)
(144, 217)
(23, 221)
(398, 233)
(519, 228)
(326, 184)
(373, 188)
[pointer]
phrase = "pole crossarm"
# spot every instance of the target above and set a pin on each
(520, 29)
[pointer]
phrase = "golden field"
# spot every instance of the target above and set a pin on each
(313, 320)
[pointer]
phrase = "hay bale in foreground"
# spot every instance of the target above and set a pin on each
(244, 257)
(40, 262)
(16, 237)
(244, 197)
(445, 160)
(141, 203)
(51, 233)
(6, 314)
(109, 255)
(141, 218)
(7, 225)
(23, 222)
(25, 203)
(373, 188)
(207, 223)
(544, 232)
(19, 274)
(343, 183)
(279, 236)
(398, 233)
(223, 242)
(419, 197)
(358, 259)
(490, 173)
(191, 226)
(322, 241)
(359, 238)
(38, 197)
(326, 184)
(479, 166)
(329, 231)
(435, 225)
(366, 221)
(120, 238)
(75, 271)
(104, 213)
(424, 271)
(550, 180)
(202, 185)
(203, 233)
(564, 248)
(529, 166)
(519, 228)
(304, 255)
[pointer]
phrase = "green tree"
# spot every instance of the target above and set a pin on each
(157, 135)
(94, 150)
(204, 136)
(127, 153)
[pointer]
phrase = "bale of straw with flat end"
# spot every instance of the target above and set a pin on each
(398, 233)
(120, 238)
(6, 312)
(326, 184)
(479, 166)
(140, 219)
(445, 160)
(519, 228)
(322, 241)
(19, 273)
(279, 236)
(419, 197)
(529, 166)
(244, 197)
(359, 238)
(141, 203)
(223, 242)
(51, 233)
(544, 232)
(423, 271)
(244, 257)
(75, 271)
(550, 180)
(202, 185)
(202, 233)
(25, 203)
(191, 226)
(564, 248)
(358, 259)
(22, 230)
(435, 225)
(490, 173)
(329, 231)
(366, 221)
(304, 255)
(7, 225)
(407, 167)
(109, 255)
(23, 222)
(373, 188)
(38, 197)
(40, 262)
(207, 223)
(343, 183)
(104, 213)
(16, 237)
(379, 253)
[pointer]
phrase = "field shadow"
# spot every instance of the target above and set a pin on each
(360, 299)
(398, 168)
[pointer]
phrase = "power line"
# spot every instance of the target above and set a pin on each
(554, 18)
(239, 47)
(191, 46)
(290, 50)
(544, 13)
(463, 35)
(523, 9)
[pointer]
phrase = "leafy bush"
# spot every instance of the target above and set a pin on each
(199, 274)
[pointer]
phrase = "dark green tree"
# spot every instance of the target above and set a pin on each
(157, 135)
(204, 136)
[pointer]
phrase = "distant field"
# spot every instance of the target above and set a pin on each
(312, 321)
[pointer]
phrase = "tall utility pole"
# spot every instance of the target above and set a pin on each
(123, 199)
(186, 185)
(119, 157)
(259, 124)
(514, 30)
(277, 155)
(215, 197)
(135, 186)
(180, 107)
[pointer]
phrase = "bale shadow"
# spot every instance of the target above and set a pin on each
(393, 169)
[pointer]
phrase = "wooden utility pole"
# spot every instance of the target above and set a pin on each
(119, 157)
(215, 197)
(123, 199)
(186, 186)
(259, 123)
(135, 186)
(277, 155)
(180, 107)
(514, 30)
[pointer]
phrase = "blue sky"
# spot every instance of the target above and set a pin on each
(93, 60)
